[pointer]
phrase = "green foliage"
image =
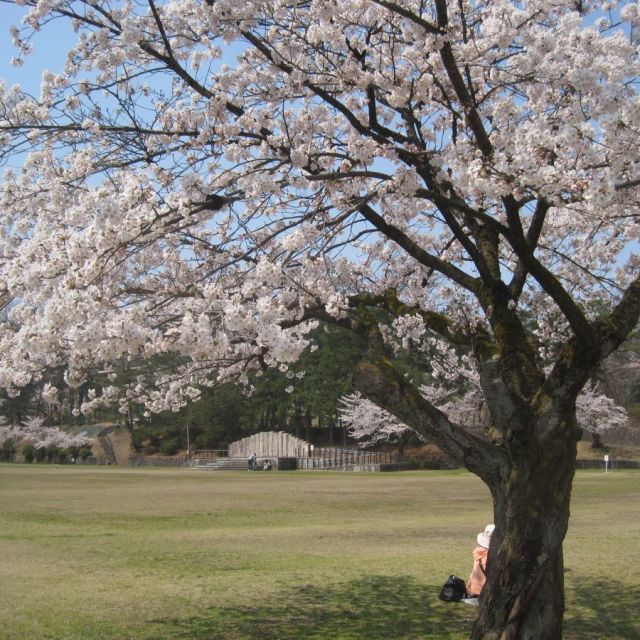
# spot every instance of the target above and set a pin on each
(84, 453)
(137, 440)
(17, 408)
(51, 453)
(229, 412)
(170, 447)
(29, 452)
(73, 452)
(327, 374)
(8, 450)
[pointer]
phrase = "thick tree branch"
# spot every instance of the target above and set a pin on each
(533, 236)
(545, 278)
(417, 252)
(436, 322)
(410, 15)
(459, 86)
(629, 184)
(384, 385)
(575, 364)
(615, 329)
(453, 202)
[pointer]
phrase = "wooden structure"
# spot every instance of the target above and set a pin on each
(270, 444)
(285, 452)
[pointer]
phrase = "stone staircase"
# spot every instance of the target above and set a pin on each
(112, 445)
(109, 454)
(226, 464)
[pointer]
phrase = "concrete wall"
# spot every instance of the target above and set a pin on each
(270, 444)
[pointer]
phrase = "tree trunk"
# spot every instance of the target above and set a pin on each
(130, 419)
(524, 595)
(527, 459)
(596, 441)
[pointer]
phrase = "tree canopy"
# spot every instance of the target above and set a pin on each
(463, 176)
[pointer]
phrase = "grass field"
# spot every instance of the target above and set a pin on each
(105, 553)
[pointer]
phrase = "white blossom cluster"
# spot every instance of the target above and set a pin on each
(367, 422)
(176, 198)
(35, 432)
(597, 413)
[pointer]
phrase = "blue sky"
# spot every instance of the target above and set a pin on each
(49, 51)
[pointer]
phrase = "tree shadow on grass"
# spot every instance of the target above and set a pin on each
(605, 608)
(380, 607)
(374, 607)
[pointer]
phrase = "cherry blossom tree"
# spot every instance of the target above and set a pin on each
(212, 179)
(35, 431)
(369, 423)
(596, 413)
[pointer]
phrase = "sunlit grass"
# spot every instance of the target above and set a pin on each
(106, 553)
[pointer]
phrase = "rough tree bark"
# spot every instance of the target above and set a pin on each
(524, 596)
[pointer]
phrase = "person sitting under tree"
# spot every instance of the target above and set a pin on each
(478, 576)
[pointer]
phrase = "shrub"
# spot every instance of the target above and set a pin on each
(137, 440)
(206, 440)
(170, 447)
(29, 453)
(74, 452)
(51, 453)
(7, 450)
(84, 452)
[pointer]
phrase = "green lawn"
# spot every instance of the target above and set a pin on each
(117, 553)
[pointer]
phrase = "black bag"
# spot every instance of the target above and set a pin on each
(453, 590)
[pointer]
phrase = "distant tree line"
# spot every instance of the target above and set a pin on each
(304, 400)
(38, 442)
